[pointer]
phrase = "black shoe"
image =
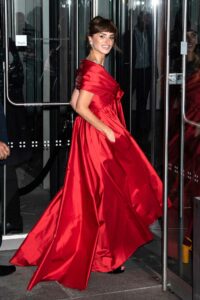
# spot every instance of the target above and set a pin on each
(119, 270)
(7, 270)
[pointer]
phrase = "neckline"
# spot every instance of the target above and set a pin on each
(102, 67)
(85, 59)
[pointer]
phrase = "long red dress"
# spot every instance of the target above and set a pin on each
(111, 194)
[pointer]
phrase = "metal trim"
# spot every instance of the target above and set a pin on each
(182, 137)
(77, 30)
(4, 167)
(115, 21)
(11, 242)
(166, 126)
(182, 140)
(189, 121)
(131, 70)
(153, 92)
(94, 8)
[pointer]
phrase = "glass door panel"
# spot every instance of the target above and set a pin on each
(184, 138)
(41, 59)
(39, 37)
(140, 23)
(140, 71)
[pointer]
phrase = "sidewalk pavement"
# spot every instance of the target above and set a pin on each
(138, 282)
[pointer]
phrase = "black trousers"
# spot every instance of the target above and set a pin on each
(13, 215)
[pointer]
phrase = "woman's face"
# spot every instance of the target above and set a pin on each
(191, 40)
(102, 42)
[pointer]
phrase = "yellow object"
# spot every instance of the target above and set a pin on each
(186, 253)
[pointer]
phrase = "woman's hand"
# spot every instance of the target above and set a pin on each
(4, 151)
(110, 134)
(82, 108)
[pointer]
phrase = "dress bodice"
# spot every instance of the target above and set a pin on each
(93, 78)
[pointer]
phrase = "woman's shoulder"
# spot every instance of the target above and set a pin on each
(86, 72)
(89, 70)
(87, 65)
(92, 73)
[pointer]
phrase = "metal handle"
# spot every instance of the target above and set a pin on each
(94, 8)
(153, 93)
(182, 137)
(166, 125)
(187, 120)
(131, 70)
(6, 72)
(77, 30)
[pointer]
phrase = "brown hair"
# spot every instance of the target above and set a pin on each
(100, 24)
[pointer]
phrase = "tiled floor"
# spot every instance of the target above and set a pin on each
(137, 282)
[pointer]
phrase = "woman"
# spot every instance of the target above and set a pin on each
(111, 193)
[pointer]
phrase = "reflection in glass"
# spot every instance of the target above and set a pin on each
(17, 131)
(48, 48)
(142, 62)
(42, 71)
(181, 227)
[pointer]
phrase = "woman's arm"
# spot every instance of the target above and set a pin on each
(81, 106)
(74, 98)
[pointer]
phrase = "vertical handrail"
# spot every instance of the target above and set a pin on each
(4, 167)
(182, 137)
(153, 93)
(166, 126)
(77, 31)
(183, 53)
(131, 69)
(114, 5)
(94, 8)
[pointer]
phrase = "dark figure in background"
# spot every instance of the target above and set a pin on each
(142, 53)
(16, 128)
(176, 37)
(4, 153)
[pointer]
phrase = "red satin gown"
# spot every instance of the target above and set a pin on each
(110, 196)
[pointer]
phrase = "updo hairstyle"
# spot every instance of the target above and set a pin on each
(100, 24)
